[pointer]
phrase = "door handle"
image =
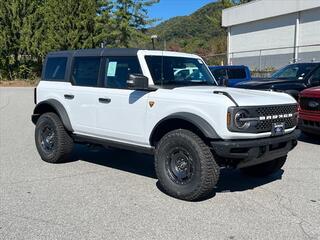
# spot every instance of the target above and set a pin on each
(104, 100)
(68, 96)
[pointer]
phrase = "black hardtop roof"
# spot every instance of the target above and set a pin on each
(95, 52)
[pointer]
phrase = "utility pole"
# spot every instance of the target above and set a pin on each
(153, 38)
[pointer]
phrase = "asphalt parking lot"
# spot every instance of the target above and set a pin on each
(113, 194)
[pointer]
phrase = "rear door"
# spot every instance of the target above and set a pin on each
(81, 96)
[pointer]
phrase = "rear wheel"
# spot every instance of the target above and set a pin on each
(185, 166)
(265, 169)
(52, 140)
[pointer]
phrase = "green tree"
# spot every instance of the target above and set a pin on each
(13, 15)
(29, 29)
(131, 20)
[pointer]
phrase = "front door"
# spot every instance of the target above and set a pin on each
(121, 112)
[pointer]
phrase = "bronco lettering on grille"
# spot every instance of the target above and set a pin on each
(280, 116)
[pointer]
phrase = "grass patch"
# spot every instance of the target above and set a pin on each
(18, 83)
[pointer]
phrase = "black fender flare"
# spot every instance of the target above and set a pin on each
(207, 130)
(41, 107)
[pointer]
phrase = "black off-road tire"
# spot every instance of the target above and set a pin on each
(205, 173)
(265, 169)
(62, 143)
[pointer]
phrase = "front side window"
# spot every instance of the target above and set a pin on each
(118, 69)
(55, 69)
(85, 71)
(315, 78)
(182, 71)
(294, 71)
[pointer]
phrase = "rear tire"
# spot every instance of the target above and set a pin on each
(185, 166)
(52, 140)
(265, 169)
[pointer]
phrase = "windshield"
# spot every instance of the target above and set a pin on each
(294, 71)
(179, 71)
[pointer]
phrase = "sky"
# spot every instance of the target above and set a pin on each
(166, 9)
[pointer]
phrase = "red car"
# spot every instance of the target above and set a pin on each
(309, 111)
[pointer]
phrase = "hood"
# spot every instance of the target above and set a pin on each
(242, 97)
(311, 92)
(264, 82)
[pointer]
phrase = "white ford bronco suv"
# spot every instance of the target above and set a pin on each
(144, 101)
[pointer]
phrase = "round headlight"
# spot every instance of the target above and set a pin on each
(239, 119)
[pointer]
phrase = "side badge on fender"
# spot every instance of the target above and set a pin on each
(151, 103)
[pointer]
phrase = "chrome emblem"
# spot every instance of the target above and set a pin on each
(313, 104)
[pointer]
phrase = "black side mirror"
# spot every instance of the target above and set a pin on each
(138, 82)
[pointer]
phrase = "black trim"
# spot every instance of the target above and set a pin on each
(256, 151)
(35, 95)
(207, 130)
(227, 95)
(98, 52)
(110, 143)
(58, 107)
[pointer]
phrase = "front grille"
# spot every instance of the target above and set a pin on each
(265, 111)
(310, 104)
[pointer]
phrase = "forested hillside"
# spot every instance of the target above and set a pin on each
(200, 32)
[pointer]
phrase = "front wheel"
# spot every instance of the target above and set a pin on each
(185, 166)
(52, 140)
(265, 169)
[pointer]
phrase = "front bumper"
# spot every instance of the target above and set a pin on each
(309, 126)
(252, 152)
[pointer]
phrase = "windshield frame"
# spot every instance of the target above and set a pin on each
(164, 54)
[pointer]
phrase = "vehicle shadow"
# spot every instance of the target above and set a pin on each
(141, 164)
(313, 139)
(132, 162)
(234, 181)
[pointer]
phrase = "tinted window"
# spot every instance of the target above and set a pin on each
(219, 73)
(315, 78)
(294, 71)
(118, 69)
(55, 68)
(236, 73)
(178, 71)
(86, 71)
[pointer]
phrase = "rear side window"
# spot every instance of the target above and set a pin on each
(236, 73)
(55, 69)
(219, 73)
(85, 71)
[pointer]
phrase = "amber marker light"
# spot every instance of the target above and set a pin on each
(228, 119)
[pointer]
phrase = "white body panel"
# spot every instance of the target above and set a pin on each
(129, 118)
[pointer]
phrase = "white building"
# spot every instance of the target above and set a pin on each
(273, 33)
